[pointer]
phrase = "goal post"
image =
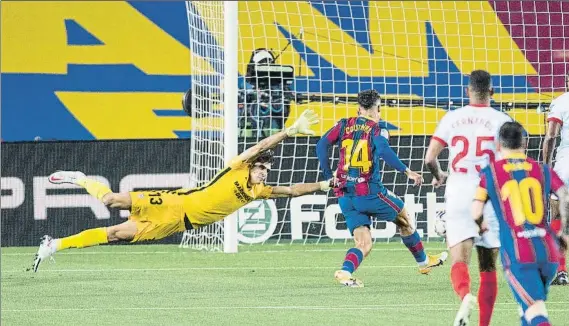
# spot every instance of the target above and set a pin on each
(213, 30)
(230, 130)
(256, 65)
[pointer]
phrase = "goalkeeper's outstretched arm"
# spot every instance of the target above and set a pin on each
(300, 189)
(300, 126)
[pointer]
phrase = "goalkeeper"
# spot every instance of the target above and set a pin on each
(158, 214)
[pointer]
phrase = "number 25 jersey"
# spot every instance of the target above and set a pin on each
(470, 133)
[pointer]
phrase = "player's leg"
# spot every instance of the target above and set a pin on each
(86, 238)
(390, 207)
(487, 247)
(488, 290)
(460, 278)
(358, 225)
(562, 278)
(536, 315)
(529, 286)
(93, 237)
(93, 187)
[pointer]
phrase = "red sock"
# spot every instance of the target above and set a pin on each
(556, 227)
(460, 279)
(487, 296)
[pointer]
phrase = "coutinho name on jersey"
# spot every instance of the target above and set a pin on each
(364, 128)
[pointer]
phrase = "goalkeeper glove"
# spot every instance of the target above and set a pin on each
(303, 123)
(326, 185)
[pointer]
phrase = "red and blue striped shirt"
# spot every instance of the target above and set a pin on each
(361, 148)
(519, 189)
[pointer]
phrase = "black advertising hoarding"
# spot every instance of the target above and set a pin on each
(32, 207)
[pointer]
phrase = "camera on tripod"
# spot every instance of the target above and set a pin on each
(265, 107)
(264, 96)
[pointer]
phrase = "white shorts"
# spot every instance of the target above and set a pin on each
(460, 225)
(561, 167)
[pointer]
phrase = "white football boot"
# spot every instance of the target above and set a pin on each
(463, 315)
(346, 279)
(46, 250)
(65, 177)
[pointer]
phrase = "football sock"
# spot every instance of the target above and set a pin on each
(353, 259)
(556, 227)
(539, 321)
(487, 296)
(524, 321)
(414, 244)
(562, 263)
(94, 188)
(87, 238)
(460, 279)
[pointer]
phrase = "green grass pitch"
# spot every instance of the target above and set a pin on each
(261, 285)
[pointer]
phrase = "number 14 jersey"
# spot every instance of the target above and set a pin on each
(362, 144)
(470, 133)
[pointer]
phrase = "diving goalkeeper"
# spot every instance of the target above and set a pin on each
(158, 214)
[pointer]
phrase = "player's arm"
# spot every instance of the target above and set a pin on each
(480, 198)
(300, 126)
(550, 136)
(390, 157)
(438, 142)
(322, 147)
(436, 146)
(299, 189)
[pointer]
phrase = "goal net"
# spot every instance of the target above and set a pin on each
(294, 55)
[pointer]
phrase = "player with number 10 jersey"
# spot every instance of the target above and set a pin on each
(519, 188)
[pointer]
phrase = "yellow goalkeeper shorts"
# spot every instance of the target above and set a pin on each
(157, 214)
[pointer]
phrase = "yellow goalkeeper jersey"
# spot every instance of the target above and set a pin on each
(224, 194)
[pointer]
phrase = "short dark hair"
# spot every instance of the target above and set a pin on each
(480, 83)
(368, 98)
(266, 156)
(512, 135)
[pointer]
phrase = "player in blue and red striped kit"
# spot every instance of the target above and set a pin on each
(519, 189)
(361, 195)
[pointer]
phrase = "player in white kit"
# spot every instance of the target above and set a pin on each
(558, 123)
(471, 133)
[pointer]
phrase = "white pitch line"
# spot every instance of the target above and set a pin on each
(189, 251)
(439, 307)
(221, 268)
